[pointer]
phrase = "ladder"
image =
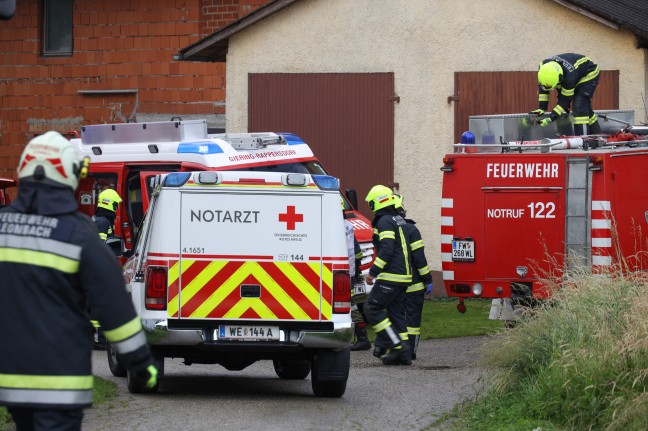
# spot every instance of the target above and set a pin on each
(577, 219)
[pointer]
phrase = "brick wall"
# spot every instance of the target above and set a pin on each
(122, 47)
(219, 13)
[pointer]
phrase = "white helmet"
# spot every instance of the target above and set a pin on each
(52, 159)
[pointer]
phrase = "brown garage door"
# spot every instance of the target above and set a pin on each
(346, 118)
(491, 93)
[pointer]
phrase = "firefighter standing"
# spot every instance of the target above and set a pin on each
(392, 274)
(575, 77)
(421, 280)
(50, 256)
(106, 212)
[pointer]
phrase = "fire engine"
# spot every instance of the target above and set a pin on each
(517, 213)
(232, 267)
(126, 156)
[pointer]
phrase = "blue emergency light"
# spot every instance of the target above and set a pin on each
(326, 182)
(199, 147)
(176, 179)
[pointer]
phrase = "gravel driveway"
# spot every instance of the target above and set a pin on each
(201, 397)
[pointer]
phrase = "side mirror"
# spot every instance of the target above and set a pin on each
(352, 197)
(116, 244)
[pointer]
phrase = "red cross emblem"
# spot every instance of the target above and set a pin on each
(291, 217)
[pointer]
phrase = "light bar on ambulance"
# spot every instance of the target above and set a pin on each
(199, 147)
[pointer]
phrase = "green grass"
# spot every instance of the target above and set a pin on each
(440, 319)
(579, 363)
(104, 390)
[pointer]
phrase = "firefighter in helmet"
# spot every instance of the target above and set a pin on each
(357, 299)
(391, 275)
(50, 256)
(105, 213)
(421, 279)
(574, 77)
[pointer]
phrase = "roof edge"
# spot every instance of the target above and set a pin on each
(219, 40)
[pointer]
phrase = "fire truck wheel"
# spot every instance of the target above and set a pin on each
(116, 368)
(330, 371)
(291, 369)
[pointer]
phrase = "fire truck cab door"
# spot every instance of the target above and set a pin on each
(520, 227)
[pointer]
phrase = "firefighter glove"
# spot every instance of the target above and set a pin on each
(537, 112)
(545, 122)
(147, 377)
(428, 289)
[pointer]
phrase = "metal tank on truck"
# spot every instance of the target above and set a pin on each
(126, 156)
(519, 215)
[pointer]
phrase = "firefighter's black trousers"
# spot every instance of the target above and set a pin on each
(41, 419)
(388, 327)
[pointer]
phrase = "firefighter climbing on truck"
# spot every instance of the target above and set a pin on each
(575, 77)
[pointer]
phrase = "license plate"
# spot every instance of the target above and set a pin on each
(359, 289)
(463, 251)
(249, 333)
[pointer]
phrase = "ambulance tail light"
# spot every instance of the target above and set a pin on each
(326, 182)
(447, 164)
(156, 288)
(341, 292)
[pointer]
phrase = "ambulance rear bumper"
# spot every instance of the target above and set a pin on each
(158, 333)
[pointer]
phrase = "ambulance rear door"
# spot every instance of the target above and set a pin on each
(251, 255)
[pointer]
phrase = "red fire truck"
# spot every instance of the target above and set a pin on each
(517, 214)
(126, 156)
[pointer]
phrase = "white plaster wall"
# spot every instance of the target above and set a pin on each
(424, 42)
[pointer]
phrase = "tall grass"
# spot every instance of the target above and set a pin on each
(579, 362)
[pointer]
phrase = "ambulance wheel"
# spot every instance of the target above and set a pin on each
(330, 371)
(137, 386)
(116, 368)
(291, 369)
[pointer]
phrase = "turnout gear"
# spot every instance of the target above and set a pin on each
(49, 258)
(392, 272)
(104, 217)
(537, 112)
(362, 338)
(575, 77)
(545, 122)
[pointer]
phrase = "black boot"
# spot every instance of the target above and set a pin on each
(362, 339)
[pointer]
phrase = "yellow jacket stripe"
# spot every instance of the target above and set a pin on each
(39, 258)
(128, 337)
(33, 389)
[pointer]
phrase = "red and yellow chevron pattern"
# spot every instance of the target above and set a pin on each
(210, 289)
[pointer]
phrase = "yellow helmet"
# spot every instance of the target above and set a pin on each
(398, 204)
(109, 199)
(50, 158)
(380, 197)
(550, 75)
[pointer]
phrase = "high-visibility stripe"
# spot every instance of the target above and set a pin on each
(130, 344)
(567, 92)
(288, 290)
(415, 288)
(124, 331)
(593, 74)
(417, 244)
(413, 331)
(387, 234)
(543, 97)
(424, 270)
(39, 258)
(380, 263)
(43, 396)
(27, 381)
(399, 278)
(64, 249)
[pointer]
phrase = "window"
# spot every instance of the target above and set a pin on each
(57, 28)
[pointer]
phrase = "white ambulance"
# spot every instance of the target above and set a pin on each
(233, 267)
